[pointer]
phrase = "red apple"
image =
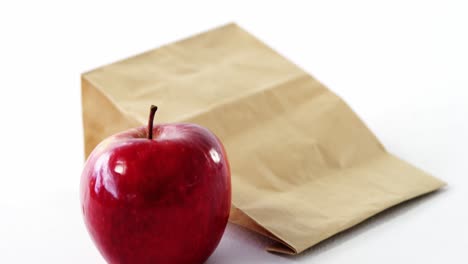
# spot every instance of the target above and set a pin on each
(157, 195)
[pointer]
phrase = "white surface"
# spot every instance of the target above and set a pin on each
(402, 66)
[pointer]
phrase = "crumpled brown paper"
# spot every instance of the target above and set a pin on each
(304, 166)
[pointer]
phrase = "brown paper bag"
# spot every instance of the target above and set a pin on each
(304, 167)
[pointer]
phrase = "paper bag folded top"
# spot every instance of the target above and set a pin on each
(304, 166)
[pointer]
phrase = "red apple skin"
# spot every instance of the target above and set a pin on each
(162, 200)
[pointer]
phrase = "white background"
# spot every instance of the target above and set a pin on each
(401, 65)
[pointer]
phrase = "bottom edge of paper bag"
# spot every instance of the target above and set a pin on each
(282, 246)
(242, 219)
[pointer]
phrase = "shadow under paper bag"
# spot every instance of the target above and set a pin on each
(304, 166)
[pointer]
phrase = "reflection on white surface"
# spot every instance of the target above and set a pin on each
(215, 155)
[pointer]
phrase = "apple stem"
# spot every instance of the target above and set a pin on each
(150, 121)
